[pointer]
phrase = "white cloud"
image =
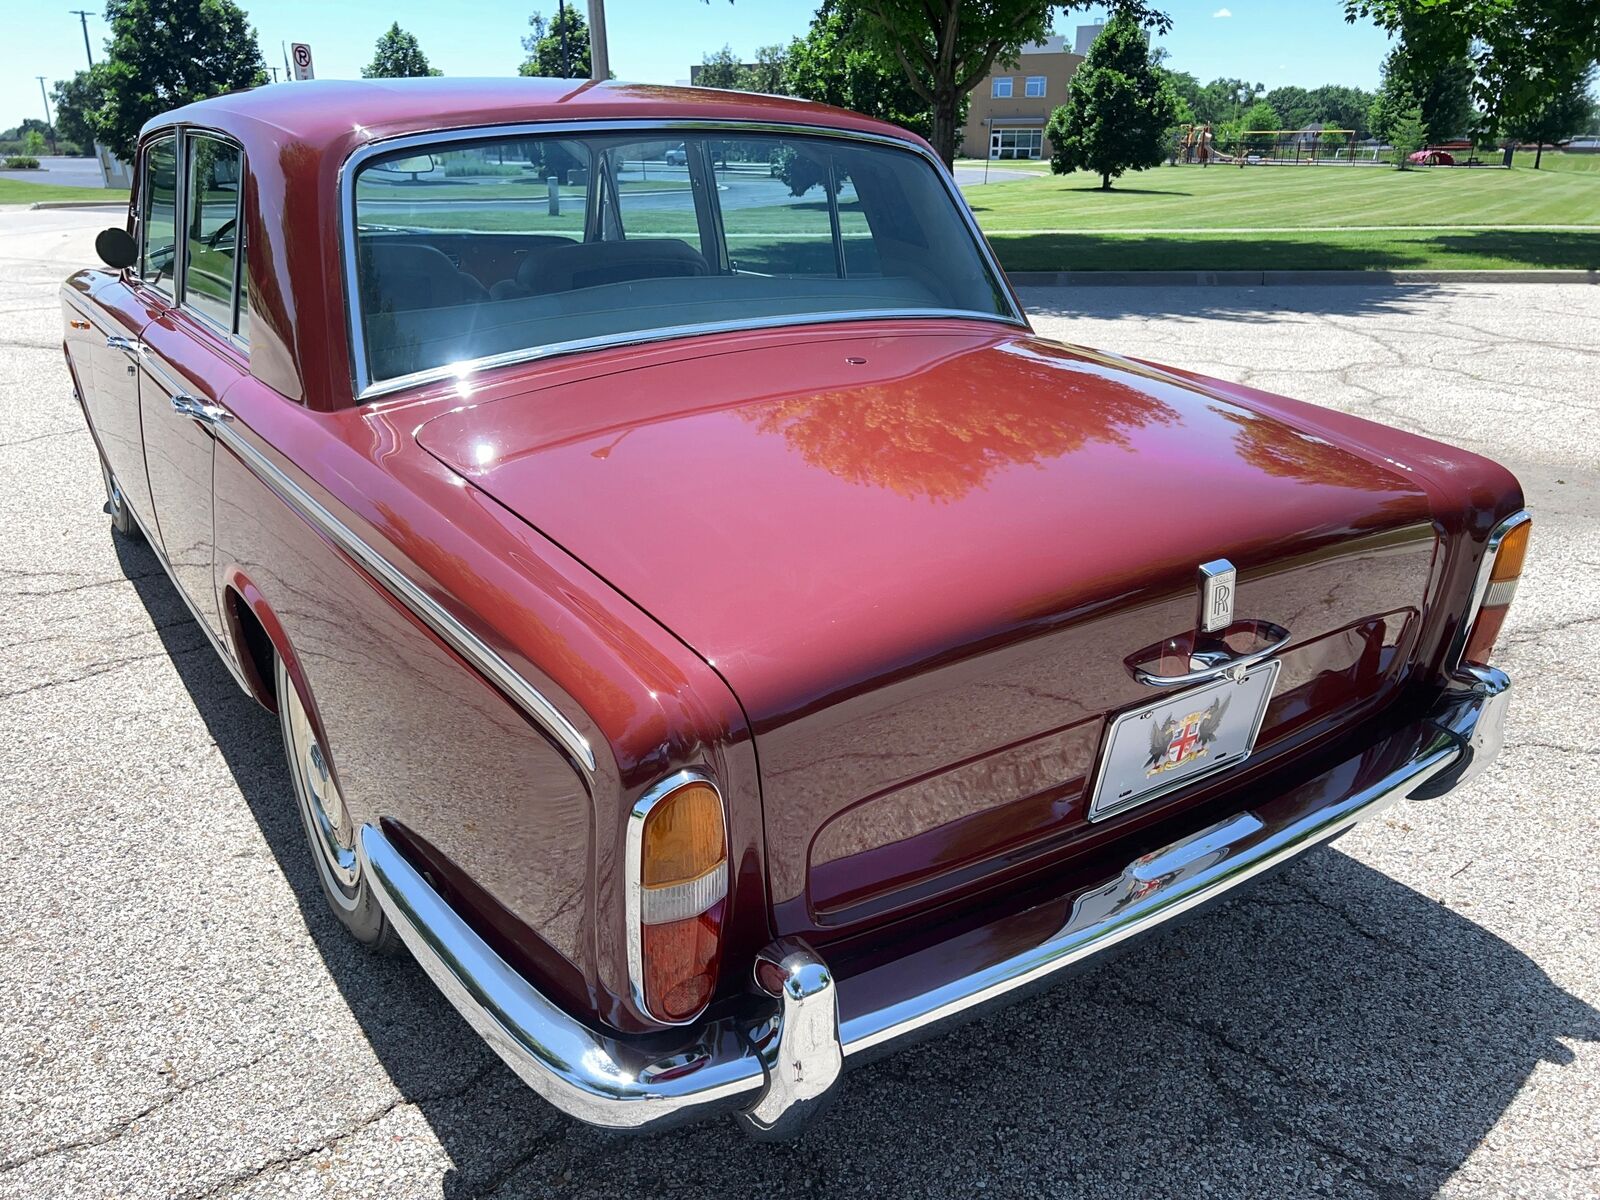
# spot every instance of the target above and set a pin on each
(1222, 12)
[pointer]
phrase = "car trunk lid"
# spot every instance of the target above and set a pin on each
(921, 560)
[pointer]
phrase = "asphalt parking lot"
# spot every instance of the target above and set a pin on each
(1414, 1012)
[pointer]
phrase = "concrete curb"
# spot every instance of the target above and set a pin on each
(1286, 278)
(39, 204)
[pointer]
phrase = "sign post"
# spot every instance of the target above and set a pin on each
(301, 54)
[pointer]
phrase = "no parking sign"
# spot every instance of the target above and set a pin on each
(301, 54)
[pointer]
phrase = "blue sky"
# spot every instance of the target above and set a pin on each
(1274, 42)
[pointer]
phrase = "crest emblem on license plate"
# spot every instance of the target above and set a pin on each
(1180, 740)
(1216, 595)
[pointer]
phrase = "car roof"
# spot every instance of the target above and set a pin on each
(324, 114)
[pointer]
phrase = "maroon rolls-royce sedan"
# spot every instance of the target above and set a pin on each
(709, 628)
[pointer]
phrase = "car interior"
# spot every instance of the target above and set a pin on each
(491, 249)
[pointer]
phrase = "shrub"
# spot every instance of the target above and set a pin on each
(21, 162)
(455, 170)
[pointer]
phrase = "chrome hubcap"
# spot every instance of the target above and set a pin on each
(326, 818)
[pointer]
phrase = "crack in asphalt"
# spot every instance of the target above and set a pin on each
(328, 1144)
(101, 668)
(39, 437)
(125, 1125)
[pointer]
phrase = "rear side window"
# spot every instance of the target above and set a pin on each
(211, 228)
(158, 216)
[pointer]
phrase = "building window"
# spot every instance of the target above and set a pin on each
(1000, 87)
(1035, 86)
(1016, 143)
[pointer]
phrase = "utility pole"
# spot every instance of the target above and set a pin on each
(49, 121)
(599, 56)
(83, 19)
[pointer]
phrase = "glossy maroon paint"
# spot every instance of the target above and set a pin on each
(707, 549)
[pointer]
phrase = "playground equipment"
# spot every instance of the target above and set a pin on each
(1265, 147)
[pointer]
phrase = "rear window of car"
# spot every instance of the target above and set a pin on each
(466, 251)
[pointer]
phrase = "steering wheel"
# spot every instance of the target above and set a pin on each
(220, 232)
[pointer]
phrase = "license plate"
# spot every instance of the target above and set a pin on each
(1173, 741)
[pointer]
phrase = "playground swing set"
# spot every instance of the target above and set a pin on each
(1267, 147)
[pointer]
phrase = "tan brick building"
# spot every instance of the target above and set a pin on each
(1009, 109)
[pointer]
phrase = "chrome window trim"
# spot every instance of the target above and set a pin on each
(364, 388)
(231, 336)
(428, 610)
(141, 178)
(1480, 585)
(633, 867)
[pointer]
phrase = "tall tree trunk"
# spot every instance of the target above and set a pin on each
(1105, 181)
(1538, 156)
(945, 106)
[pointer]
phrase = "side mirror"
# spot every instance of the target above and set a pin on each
(116, 248)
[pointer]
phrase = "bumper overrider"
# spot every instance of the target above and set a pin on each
(774, 1070)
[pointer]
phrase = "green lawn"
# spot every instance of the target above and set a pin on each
(25, 191)
(1292, 218)
(1560, 162)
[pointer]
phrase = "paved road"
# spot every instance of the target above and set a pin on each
(1412, 1012)
(62, 171)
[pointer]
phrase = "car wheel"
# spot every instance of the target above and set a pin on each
(328, 826)
(117, 505)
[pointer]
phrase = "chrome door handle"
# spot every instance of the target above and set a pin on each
(206, 414)
(1219, 662)
(132, 346)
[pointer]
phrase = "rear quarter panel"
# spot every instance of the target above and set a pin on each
(509, 827)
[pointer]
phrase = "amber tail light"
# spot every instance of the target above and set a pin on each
(1508, 546)
(677, 896)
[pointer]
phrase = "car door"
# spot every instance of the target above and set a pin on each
(193, 354)
(107, 354)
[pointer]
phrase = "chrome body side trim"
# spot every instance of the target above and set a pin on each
(220, 422)
(1480, 586)
(776, 1064)
(364, 387)
(428, 610)
(633, 884)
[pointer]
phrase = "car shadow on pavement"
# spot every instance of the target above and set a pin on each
(1329, 1031)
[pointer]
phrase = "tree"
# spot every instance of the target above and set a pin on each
(1294, 107)
(397, 56)
(835, 63)
(77, 100)
(1341, 107)
(1407, 135)
(1118, 109)
(947, 47)
(1224, 100)
(548, 56)
(165, 53)
(768, 72)
(720, 70)
(1562, 114)
(1522, 51)
(1442, 91)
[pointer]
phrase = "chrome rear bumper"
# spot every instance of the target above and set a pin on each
(774, 1070)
